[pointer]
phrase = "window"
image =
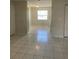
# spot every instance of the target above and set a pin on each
(42, 14)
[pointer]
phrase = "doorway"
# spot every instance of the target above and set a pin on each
(39, 15)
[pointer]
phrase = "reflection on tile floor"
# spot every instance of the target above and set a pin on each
(38, 45)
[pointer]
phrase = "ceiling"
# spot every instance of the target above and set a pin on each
(41, 3)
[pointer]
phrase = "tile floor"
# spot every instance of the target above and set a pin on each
(38, 45)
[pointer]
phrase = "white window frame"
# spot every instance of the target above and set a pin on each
(42, 14)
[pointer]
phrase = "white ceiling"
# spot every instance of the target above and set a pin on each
(41, 3)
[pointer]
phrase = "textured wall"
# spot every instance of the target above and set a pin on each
(12, 18)
(21, 17)
(66, 21)
(57, 26)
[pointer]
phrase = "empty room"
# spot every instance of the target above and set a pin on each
(38, 29)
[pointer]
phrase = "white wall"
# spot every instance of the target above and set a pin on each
(21, 21)
(66, 22)
(29, 17)
(12, 18)
(57, 24)
(35, 21)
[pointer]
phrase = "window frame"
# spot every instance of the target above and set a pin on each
(41, 15)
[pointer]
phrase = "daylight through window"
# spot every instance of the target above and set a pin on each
(42, 14)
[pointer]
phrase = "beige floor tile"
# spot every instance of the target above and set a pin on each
(38, 44)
